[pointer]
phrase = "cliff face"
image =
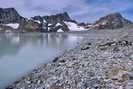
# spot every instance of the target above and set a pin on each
(112, 21)
(57, 18)
(9, 15)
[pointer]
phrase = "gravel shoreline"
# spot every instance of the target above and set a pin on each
(101, 64)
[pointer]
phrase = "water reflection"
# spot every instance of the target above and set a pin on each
(11, 43)
(20, 53)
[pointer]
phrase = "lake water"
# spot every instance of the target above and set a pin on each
(21, 53)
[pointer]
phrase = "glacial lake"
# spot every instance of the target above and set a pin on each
(21, 53)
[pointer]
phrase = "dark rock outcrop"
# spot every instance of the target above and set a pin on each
(112, 21)
(10, 15)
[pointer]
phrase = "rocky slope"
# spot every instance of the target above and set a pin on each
(112, 21)
(102, 64)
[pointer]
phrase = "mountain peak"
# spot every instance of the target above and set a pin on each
(57, 18)
(9, 15)
(112, 21)
(116, 14)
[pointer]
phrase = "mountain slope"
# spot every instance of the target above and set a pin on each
(62, 22)
(57, 23)
(112, 21)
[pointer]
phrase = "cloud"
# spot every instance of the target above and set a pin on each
(81, 10)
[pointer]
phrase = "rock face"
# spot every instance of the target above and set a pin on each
(9, 15)
(58, 18)
(54, 23)
(112, 21)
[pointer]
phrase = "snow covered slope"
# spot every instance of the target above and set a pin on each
(74, 27)
(13, 25)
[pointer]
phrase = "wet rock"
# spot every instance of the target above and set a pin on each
(85, 47)
(55, 59)
(62, 61)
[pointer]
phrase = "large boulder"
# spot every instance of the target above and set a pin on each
(10, 15)
(112, 21)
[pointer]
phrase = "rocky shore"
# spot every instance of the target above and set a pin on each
(101, 64)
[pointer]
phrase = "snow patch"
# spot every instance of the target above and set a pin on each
(13, 25)
(37, 21)
(58, 24)
(74, 27)
(60, 30)
(44, 21)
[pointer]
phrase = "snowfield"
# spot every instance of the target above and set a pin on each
(74, 27)
(13, 25)
(60, 30)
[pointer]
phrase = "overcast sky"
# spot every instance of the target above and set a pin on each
(81, 10)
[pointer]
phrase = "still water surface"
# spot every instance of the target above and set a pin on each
(20, 53)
